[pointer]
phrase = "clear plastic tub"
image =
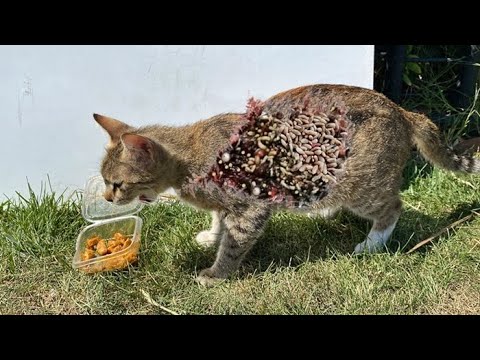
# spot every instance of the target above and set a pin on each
(107, 219)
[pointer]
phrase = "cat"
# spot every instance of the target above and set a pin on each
(143, 162)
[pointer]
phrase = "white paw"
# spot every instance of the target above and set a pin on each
(376, 240)
(370, 247)
(207, 278)
(206, 238)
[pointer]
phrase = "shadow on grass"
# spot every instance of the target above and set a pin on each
(416, 168)
(292, 239)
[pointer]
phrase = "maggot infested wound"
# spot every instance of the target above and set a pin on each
(294, 158)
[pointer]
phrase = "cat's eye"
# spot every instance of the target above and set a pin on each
(117, 185)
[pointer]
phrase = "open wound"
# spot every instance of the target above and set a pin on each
(295, 156)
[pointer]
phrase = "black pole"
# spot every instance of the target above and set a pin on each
(468, 81)
(396, 62)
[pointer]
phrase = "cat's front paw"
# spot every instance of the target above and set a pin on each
(369, 247)
(208, 278)
(206, 238)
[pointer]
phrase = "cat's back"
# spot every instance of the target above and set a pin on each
(353, 95)
(361, 102)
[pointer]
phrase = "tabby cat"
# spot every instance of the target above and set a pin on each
(143, 162)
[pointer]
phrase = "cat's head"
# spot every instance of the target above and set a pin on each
(131, 165)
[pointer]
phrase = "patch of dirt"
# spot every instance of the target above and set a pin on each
(463, 299)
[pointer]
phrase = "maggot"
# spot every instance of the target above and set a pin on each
(329, 178)
(285, 185)
(297, 166)
(311, 132)
(261, 145)
(324, 168)
(320, 119)
(299, 150)
(285, 172)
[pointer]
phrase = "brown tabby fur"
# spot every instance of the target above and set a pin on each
(149, 160)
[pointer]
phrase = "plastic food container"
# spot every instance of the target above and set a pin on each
(107, 219)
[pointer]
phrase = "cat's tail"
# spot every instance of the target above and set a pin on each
(428, 140)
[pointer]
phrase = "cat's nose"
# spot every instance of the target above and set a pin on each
(108, 196)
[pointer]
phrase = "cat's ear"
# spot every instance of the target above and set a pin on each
(113, 127)
(138, 145)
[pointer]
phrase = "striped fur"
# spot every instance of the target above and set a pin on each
(427, 140)
(242, 229)
(158, 157)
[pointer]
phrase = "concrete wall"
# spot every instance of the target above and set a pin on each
(48, 95)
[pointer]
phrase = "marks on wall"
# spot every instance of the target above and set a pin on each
(180, 69)
(25, 94)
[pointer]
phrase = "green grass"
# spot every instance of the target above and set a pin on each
(299, 266)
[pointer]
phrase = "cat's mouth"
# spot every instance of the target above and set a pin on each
(145, 198)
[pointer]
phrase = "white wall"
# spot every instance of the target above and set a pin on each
(48, 95)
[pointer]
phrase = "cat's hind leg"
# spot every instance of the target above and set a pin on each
(242, 230)
(384, 218)
(212, 237)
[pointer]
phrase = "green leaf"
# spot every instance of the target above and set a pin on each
(407, 80)
(414, 67)
(413, 56)
(409, 49)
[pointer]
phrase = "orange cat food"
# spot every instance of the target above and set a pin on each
(89, 254)
(92, 242)
(101, 248)
(96, 248)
